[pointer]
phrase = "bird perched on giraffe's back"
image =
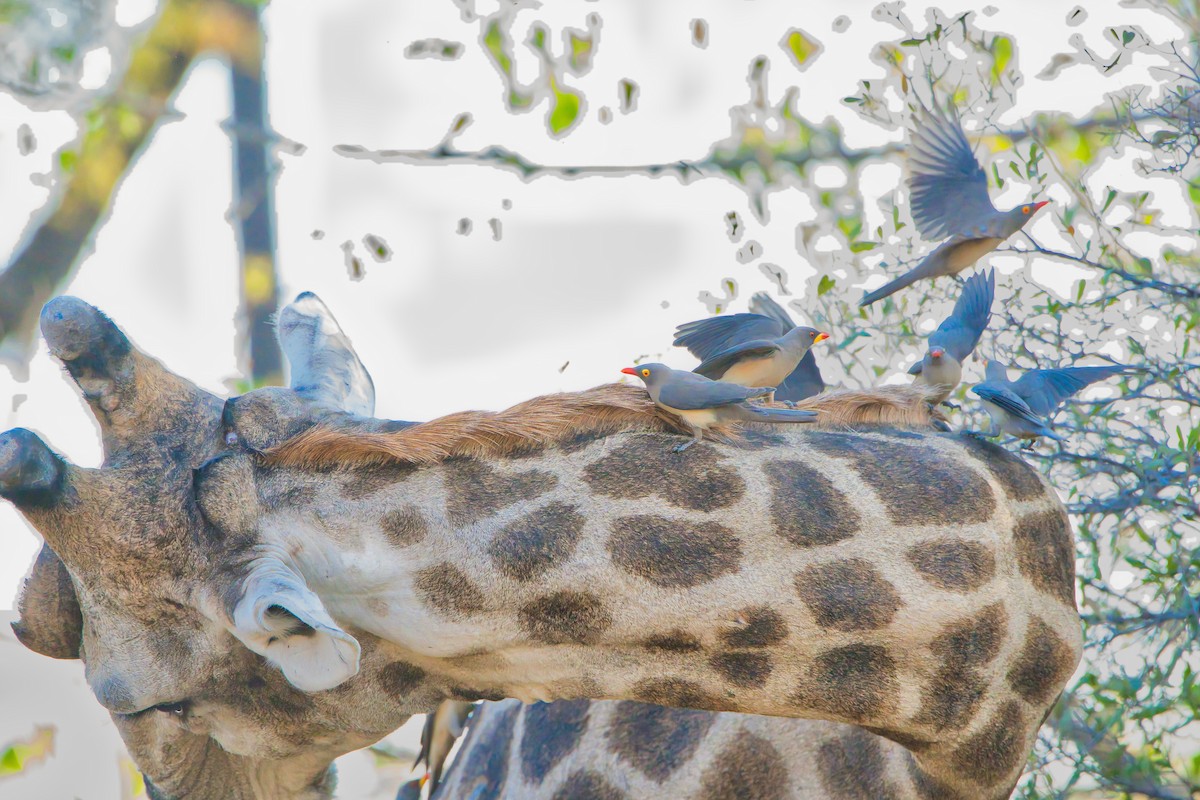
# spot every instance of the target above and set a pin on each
(754, 350)
(955, 339)
(1021, 408)
(703, 403)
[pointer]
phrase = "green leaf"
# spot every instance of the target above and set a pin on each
(1002, 53)
(1112, 195)
(565, 111)
(67, 160)
(825, 284)
(802, 47)
(1126, 37)
(859, 247)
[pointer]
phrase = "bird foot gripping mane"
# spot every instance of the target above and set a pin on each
(558, 418)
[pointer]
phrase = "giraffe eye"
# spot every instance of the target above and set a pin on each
(1024, 209)
(645, 373)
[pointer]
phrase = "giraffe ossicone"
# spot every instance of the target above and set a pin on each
(287, 604)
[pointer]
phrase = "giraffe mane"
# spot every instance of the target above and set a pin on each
(558, 418)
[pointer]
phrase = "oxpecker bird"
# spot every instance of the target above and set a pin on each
(1021, 407)
(442, 729)
(956, 337)
(753, 350)
(949, 197)
(702, 403)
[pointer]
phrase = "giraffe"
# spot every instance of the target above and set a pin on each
(258, 587)
(610, 750)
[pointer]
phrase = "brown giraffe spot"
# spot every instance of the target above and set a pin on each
(585, 784)
(485, 772)
(950, 699)
(953, 564)
(917, 484)
(535, 543)
(848, 595)
(748, 670)
(1019, 480)
(926, 787)
(674, 554)
(679, 693)
(856, 682)
(361, 483)
(996, 752)
(447, 589)
(473, 695)
(675, 641)
(1046, 553)
(475, 490)
(852, 767)
(580, 441)
(759, 627)
(1045, 663)
(400, 678)
(403, 526)
(275, 496)
(565, 617)
(552, 731)
(655, 740)
(748, 769)
(974, 641)
(647, 464)
(805, 508)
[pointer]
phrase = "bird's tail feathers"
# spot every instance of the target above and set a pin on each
(749, 413)
(907, 279)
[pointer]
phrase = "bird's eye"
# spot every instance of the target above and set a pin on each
(812, 335)
(645, 373)
(175, 709)
(1024, 209)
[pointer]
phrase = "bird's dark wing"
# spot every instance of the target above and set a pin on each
(715, 366)
(690, 395)
(948, 188)
(805, 381)
(1044, 389)
(960, 332)
(763, 304)
(707, 337)
(1004, 398)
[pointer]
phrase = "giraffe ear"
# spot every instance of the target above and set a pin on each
(49, 621)
(278, 617)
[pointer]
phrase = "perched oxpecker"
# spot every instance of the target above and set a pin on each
(753, 350)
(702, 403)
(1021, 407)
(956, 337)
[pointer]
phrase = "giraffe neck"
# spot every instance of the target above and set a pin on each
(911, 584)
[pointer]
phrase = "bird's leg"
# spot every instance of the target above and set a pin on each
(948, 404)
(696, 433)
(789, 404)
(1029, 444)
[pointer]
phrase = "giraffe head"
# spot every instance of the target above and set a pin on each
(185, 628)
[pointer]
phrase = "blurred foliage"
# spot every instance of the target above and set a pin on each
(20, 755)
